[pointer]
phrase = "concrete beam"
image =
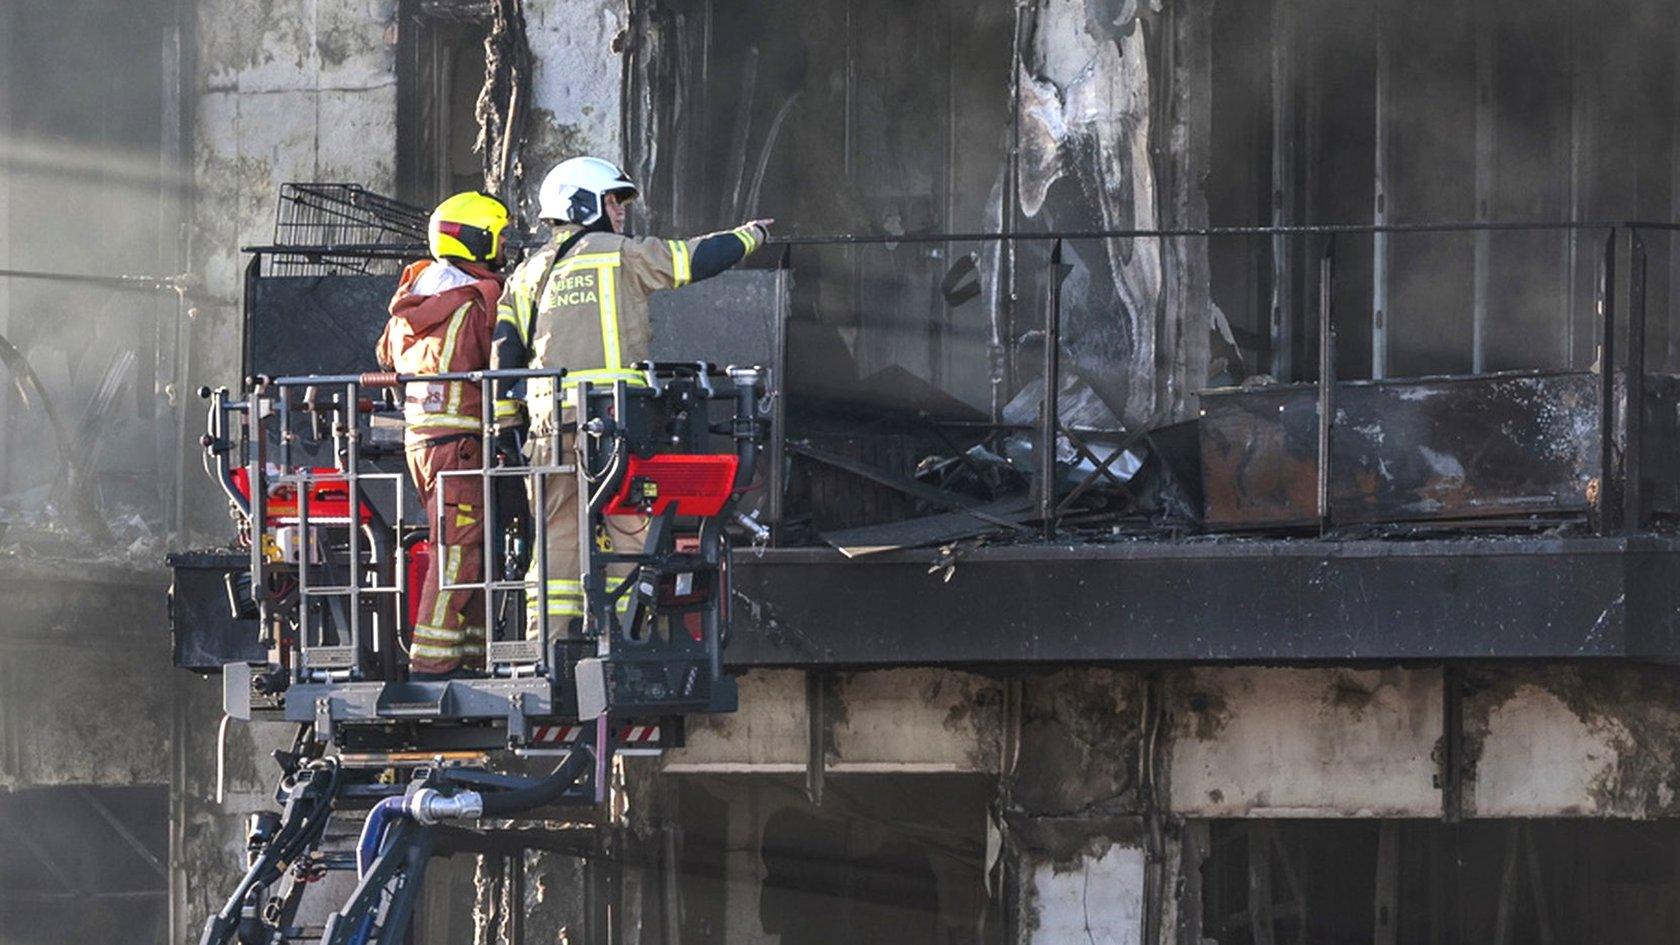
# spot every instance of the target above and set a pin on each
(1592, 740)
(1282, 601)
(1305, 743)
(910, 721)
(906, 721)
(768, 734)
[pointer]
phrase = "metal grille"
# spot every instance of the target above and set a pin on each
(367, 233)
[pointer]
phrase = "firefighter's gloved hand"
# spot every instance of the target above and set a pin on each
(510, 446)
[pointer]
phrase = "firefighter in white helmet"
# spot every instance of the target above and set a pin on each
(581, 303)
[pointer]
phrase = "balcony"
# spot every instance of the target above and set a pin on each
(1333, 517)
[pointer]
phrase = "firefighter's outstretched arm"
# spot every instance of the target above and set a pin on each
(715, 252)
(668, 264)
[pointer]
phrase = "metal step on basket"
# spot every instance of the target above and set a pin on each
(347, 217)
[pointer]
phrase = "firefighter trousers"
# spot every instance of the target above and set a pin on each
(559, 509)
(449, 628)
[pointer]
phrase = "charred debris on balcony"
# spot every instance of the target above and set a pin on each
(1514, 452)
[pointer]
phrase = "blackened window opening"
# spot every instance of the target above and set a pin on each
(440, 70)
(1436, 110)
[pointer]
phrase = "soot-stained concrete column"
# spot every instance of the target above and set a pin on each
(1072, 803)
(577, 85)
(285, 90)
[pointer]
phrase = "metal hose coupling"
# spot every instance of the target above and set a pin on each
(429, 806)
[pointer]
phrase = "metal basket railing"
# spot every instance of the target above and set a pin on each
(343, 217)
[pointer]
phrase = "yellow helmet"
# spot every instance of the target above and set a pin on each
(468, 226)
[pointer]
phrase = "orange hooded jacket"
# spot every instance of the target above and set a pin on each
(442, 317)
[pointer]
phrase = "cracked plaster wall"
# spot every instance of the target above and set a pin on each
(287, 90)
(577, 84)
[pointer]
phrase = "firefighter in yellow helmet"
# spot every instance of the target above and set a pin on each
(581, 303)
(442, 318)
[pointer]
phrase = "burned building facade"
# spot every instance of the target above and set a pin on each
(1335, 603)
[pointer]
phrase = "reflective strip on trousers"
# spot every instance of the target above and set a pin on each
(425, 651)
(565, 598)
(474, 645)
(573, 607)
(432, 634)
(451, 572)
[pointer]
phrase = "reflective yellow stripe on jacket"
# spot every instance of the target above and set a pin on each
(419, 420)
(748, 239)
(606, 268)
(682, 268)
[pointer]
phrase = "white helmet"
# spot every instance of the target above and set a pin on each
(572, 191)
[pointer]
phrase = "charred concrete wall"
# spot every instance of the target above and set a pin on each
(884, 119)
(85, 681)
(90, 182)
(1113, 134)
(1088, 773)
(88, 711)
(1586, 740)
(306, 90)
(1099, 777)
(284, 90)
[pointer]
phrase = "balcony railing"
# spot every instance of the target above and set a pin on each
(1618, 504)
